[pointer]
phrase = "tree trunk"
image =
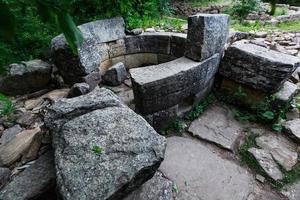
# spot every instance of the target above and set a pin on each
(273, 7)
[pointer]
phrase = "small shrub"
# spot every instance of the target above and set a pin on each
(6, 106)
(241, 8)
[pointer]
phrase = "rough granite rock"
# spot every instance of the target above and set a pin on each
(79, 89)
(266, 161)
(200, 174)
(91, 52)
(292, 128)
(26, 77)
(162, 86)
(10, 133)
(292, 191)
(115, 75)
(33, 182)
(157, 188)
(217, 125)
(207, 35)
(4, 176)
(111, 149)
(257, 67)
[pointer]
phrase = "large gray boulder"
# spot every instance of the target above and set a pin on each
(26, 77)
(207, 35)
(159, 87)
(103, 150)
(91, 52)
(33, 182)
(257, 67)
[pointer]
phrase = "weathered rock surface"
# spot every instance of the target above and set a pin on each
(266, 161)
(128, 150)
(159, 87)
(217, 125)
(292, 191)
(91, 52)
(33, 182)
(162, 119)
(159, 43)
(257, 67)
(115, 75)
(207, 35)
(157, 188)
(4, 176)
(12, 151)
(26, 77)
(10, 133)
(201, 174)
(53, 95)
(292, 128)
(286, 93)
(79, 89)
(282, 150)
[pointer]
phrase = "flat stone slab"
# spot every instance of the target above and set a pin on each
(159, 87)
(266, 161)
(286, 93)
(201, 174)
(217, 125)
(283, 151)
(292, 127)
(257, 67)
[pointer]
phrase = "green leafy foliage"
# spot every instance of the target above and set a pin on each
(241, 8)
(6, 106)
(200, 108)
(97, 150)
(32, 35)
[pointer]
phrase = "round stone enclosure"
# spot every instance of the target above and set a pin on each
(143, 50)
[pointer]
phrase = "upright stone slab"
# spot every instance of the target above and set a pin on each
(91, 52)
(257, 67)
(159, 87)
(103, 150)
(207, 35)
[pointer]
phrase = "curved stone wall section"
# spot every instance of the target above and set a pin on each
(158, 87)
(145, 49)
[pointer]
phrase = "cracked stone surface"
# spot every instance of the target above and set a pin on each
(267, 163)
(292, 191)
(217, 125)
(200, 174)
(282, 150)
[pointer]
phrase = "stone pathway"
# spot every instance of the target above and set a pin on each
(199, 173)
(198, 169)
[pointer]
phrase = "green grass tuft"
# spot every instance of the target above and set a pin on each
(6, 106)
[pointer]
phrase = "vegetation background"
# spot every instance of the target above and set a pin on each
(33, 36)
